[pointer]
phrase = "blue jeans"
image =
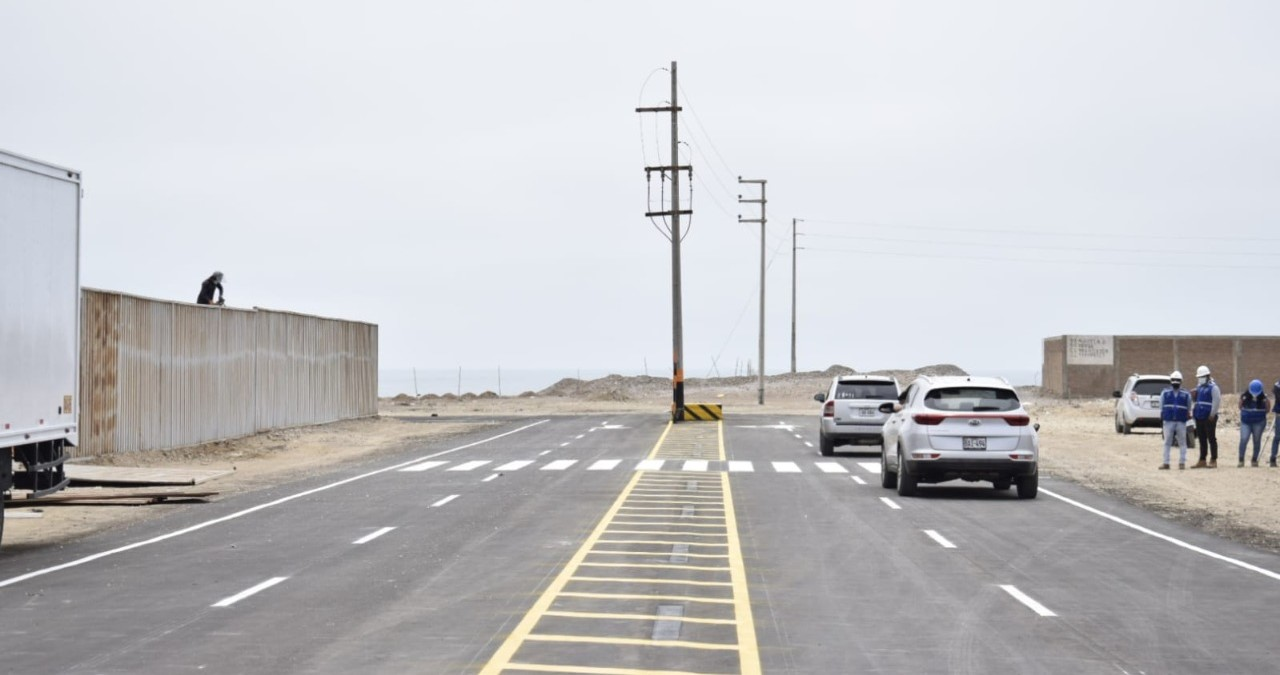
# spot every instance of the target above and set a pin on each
(1252, 430)
(1275, 441)
(1175, 432)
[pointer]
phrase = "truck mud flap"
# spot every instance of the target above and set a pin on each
(43, 474)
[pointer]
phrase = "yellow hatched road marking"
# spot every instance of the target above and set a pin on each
(639, 617)
(639, 596)
(656, 541)
(672, 582)
(587, 670)
(666, 532)
(648, 486)
(593, 640)
(662, 566)
(687, 555)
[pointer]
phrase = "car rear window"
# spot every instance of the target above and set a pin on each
(876, 391)
(972, 399)
(1150, 387)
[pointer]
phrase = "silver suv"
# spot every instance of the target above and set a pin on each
(970, 428)
(850, 411)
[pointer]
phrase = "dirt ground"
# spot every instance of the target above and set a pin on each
(1078, 443)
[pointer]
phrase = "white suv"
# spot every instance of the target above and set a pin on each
(1138, 405)
(850, 411)
(968, 428)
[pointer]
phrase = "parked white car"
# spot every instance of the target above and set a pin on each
(966, 428)
(851, 411)
(1138, 405)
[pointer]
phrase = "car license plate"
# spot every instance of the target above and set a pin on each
(974, 443)
(866, 412)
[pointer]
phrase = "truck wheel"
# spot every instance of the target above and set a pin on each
(1028, 486)
(906, 481)
(826, 446)
(1, 516)
(888, 479)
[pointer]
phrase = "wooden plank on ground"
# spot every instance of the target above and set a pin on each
(118, 496)
(91, 474)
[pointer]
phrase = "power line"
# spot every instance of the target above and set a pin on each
(1018, 247)
(1047, 261)
(1074, 233)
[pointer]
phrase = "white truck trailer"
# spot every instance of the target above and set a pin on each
(39, 324)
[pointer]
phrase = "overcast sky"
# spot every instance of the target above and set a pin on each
(974, 176)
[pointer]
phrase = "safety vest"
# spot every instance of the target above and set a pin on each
(1174, 405)
(1204, 401)
(1253, 409)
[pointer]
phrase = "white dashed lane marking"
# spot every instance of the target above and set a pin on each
(890, 503)
(444, 501)
(374, 535)
(858, 480)
(942, 541)
(1026, 600)
(227, 602)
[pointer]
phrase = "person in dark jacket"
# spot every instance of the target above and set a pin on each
(214, 282)
(1253, 419)
(1207, 399)
(1275, 441)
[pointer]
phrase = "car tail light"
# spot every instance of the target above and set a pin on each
(1017, 420)
(829, 410)
(920, 454)
(1133, 396)
(928, 419)
(1020, 456)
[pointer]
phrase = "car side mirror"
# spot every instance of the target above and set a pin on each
(1115, 394)
(1036, 426)
(890, 407)
(820, 397)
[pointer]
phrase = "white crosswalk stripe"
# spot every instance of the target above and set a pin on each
(514, 466)
(695, 465)
(786, 467)
(871, 467)
(830, 467)
(605, 465)
(424, 466)
(469, 466)
(560, 465)
(737, 465)
(649, 465)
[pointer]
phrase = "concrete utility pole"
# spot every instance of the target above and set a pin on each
(793, 293)
(673, 233)
(761, 201)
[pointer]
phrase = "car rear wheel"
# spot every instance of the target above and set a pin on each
(1119, 426)
(1028, 486)
(906, 481)
(826, 446)
(888, 479)
(1125, 428)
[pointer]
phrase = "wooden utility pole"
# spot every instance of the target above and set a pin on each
(761, 201)
(673, 233)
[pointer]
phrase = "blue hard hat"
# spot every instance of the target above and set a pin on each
(1255, 387)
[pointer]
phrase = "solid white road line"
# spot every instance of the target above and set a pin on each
(1026, 600)
(227, 602)
(560, 465)
(695, 465)
(514, 466)
(831, 467)
(604, 465)
(942, 541)
(424, 466)
(444, 501)
(739, 465)
(786, 467)
(859, 481)
(468, 466)
(870, 467)
(254, 509)
(1165, 537)
(649, 465)
(370, 537)
(491, 477)
(890, 503)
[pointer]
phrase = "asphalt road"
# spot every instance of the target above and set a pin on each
(614, 544)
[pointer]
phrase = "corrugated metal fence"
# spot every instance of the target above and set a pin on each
(158, 374)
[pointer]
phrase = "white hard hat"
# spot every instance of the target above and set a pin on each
(1202, 371)
(1176, 375)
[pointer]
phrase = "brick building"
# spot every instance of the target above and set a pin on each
(1087, 366)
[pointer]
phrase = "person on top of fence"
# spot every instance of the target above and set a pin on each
(214, 282)
(1253, 419)
(1175, 408)
(1208, 398)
